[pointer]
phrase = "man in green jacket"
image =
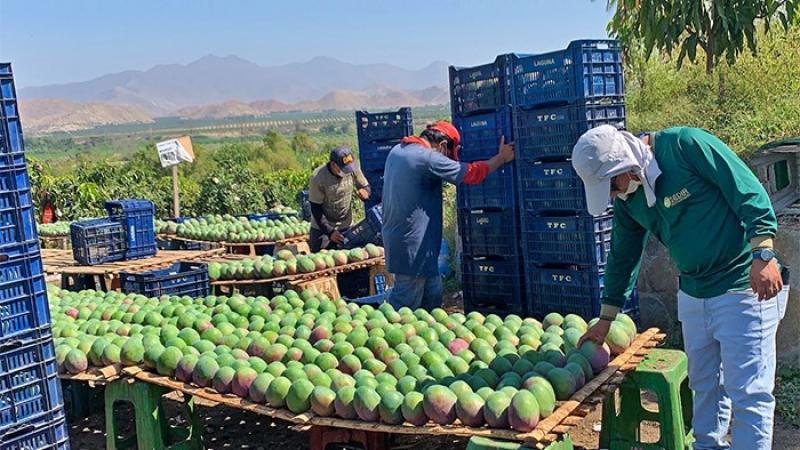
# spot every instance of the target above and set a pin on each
(692, 193)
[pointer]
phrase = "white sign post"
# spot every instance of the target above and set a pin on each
(171, 153)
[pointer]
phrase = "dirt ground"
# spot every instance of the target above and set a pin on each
(228, 428)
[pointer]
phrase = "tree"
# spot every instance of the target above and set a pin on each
(720, 28)
(302, 143)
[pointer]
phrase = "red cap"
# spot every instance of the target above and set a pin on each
(447, 129)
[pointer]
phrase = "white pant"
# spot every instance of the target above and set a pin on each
(732, 334)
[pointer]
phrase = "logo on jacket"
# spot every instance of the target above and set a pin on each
(674, 199)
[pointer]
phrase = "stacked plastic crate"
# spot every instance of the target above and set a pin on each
(488, 214)
(31, 405)
(378, 133)
(558, 96)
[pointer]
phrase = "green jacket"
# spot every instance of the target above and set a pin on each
(709, 204)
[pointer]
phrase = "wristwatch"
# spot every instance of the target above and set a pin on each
(764, 254)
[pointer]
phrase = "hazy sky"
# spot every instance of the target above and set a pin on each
(53, 41)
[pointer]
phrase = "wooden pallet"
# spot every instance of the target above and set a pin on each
(567, 415)
(61, 262)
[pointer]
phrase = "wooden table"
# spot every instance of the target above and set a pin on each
(567, 415)
(106, 276)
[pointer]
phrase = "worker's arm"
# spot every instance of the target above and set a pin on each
(716, 163)
(316, 198)
(628, 239)
(470, 173)
(362, 185)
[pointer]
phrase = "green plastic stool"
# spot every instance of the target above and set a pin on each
(482, 443)
(152, 430)
(664, 372)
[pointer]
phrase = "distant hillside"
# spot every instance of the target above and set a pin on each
(50, 115)
(164, 89)
(339, 100)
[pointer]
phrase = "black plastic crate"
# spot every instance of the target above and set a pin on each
(183, 278)
(98, 241)
(479, 88)
(23, 296)
(29, 386)
(368, 231)
(551, 133)
(493, 282)
(383, 126)
(137, 217)
(489, 232)
(571, 290)
(580, 240)
(550, 187)
(498, 191)
(481, 133)
(587, 70)
(373, 155)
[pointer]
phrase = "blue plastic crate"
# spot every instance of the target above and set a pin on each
(137, 218)
(550, 187)
(480, 134)
(492, 283)
(98, 241)
(384, 126)
(479, 88)
(182, 278)
(11, 141)
(29, 385)
(17, 221)
(580, 240)
(552, 132)
(488, 232)
(44, 434)
(498, 190)
(571, 290)
(368, 231)
(373, 154)
(587, 70)
(23, 296)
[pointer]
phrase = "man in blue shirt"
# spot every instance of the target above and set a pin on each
(412, 208)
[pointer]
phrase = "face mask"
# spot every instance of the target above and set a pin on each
(633, 185)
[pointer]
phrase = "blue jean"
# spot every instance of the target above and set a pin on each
(733, 334)
(415, 292)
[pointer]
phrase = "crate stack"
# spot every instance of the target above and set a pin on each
(31, 405)
(378, 133)
(488, 213)
(127, 233)
(558, 96)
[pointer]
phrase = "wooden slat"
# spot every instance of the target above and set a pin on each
(61, 261)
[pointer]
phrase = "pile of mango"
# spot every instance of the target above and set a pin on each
(227, 228)
(287, 263)
(312, 354)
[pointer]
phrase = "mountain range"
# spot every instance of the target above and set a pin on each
(212, 84)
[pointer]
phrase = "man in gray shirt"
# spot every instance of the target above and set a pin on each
(330, 195)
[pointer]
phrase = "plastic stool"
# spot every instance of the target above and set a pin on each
(152, 430)
(665, 372)
(331, 438)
